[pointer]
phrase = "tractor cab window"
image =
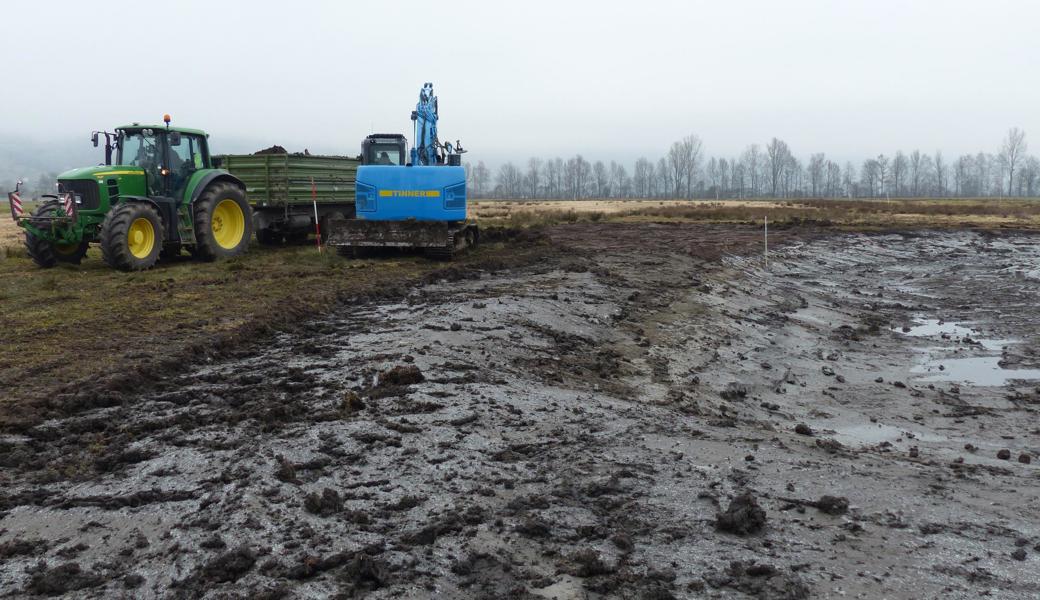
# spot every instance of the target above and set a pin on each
(185, 158)
(143, 148)
(140, 149)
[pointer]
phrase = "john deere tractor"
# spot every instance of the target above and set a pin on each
(162, 194)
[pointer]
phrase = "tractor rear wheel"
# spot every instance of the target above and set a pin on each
(131, 237)
(223, 222)
(45, 254)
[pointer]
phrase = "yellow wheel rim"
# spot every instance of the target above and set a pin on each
(65, 249)
(229, 224)
(141, 238)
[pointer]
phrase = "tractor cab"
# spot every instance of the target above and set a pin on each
(169, 157)
(384, 149)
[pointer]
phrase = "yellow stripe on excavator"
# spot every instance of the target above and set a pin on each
(409, 193)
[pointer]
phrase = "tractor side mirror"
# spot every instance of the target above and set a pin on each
(175, 138)
(94, 138)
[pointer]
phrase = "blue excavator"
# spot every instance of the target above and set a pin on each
(413, 199)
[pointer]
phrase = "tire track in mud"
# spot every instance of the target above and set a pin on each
(572, 430)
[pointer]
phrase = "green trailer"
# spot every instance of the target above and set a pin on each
(287, 191)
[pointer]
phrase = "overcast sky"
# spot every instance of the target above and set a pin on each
(605, 79)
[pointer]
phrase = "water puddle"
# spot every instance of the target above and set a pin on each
(976, 370)
(875, 433)
(937, 328)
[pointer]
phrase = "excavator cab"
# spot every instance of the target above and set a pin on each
(384, 149)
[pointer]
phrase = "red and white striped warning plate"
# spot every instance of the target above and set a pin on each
(16, 204)
(70, 204)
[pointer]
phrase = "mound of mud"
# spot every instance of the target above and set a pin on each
(62, 579)
(743, 516)
(760, 581)
(401, 375)
(276, 149)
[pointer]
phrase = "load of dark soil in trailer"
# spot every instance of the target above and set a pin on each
(276, 149)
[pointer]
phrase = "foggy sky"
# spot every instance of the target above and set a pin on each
(516, 79)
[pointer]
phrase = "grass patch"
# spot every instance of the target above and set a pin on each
(1020, 213)
(72, 329)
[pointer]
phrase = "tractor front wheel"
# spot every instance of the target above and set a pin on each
(44, 253)
(131, 237)
(223, 222)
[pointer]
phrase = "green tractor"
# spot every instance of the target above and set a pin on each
(164, 193)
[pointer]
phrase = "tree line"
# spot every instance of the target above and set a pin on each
(772, 170)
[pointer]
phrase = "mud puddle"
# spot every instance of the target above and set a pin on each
(945, 363)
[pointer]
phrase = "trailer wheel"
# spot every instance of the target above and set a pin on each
(45, 254)
(131, 237)
(223, 222)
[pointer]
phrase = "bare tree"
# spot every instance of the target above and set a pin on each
(881, 163)
(552, 176)
(1030, 177)
(961, 175)
(941, 174)
(509, 182)
(739, 178)
(916, 168)
(600, 178)
(642, 177)
(582, 173)
(899, 169)
(533, 179)
(714, 175)
(849, 179)
(724, 175)
(1011, 153)
(869, 175)
(982, 174)
(752, 160)
(481, 177)
(778, 154)
(817, 170)
(619, 181)
(692, 148)
(677, 166)
(833, 179)
(663, 179)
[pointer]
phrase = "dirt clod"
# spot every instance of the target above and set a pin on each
(588, 563)
(229, 566)
(833, 505)
(325, 504)
(803, 429)
(1004, 454)
(743, 516)
(286, 471)
(401, 375)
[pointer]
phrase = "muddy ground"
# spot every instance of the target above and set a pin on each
(650, 413)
